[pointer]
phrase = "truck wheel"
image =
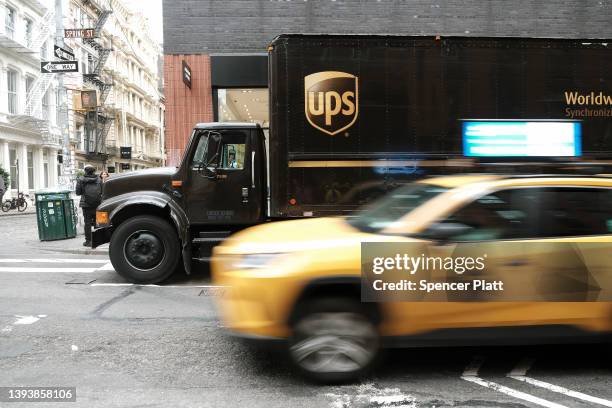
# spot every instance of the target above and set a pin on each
(145, 249)
(334, 340)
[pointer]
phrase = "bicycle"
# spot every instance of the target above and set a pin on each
(20, 204)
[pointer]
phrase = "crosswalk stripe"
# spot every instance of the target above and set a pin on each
(471, 374)
(46, 270)
(520, 371)
(53, 260)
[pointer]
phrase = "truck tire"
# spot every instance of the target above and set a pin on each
(334, 340)
(145, 249)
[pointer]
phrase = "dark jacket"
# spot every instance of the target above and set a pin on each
(89, 187)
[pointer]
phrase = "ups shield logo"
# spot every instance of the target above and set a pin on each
(331, 100)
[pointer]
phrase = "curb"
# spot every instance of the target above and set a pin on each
(9, 214)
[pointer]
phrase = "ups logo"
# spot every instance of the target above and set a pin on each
(331, 100)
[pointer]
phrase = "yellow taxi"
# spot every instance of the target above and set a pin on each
(300, 281)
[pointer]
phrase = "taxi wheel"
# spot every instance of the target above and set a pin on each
(145, 249)
(335, 340)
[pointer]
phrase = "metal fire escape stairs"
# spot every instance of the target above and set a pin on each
(32, 117)
(99, 121)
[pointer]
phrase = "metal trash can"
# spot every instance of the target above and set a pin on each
(55, 215)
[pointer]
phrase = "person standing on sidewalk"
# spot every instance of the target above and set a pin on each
(2, 188)
(89, 187)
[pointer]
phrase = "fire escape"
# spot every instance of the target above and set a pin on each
(98, 122)
(33, 117)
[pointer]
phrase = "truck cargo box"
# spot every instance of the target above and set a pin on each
(353, 116)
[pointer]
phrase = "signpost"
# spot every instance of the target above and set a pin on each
(63, 53)
(79, 33)
(50, 67)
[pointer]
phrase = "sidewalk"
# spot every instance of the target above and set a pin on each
(20, 235)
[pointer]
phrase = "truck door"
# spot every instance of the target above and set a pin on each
(224, 185)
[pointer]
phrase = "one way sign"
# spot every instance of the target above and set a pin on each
(49, 67)
(63, 53)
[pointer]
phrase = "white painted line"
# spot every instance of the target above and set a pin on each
(158, 286)
(369, 395)
(519, 373)
(26, 319)
(17, 269)
(106, 267)
(51, 260)
(471, 374)
(513, 393)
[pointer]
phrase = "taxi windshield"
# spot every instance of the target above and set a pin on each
(390, 208)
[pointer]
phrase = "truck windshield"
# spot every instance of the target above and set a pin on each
(390, 208)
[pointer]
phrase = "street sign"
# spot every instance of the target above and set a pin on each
(126, 152)
(63, 53)
(49, 67)
(79, 33)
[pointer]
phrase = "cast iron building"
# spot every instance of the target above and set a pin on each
(223, 43)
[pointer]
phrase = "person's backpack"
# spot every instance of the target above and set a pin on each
(92, 193)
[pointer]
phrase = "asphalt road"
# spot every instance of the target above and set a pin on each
(69, 320)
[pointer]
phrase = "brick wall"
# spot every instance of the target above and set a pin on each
(185, 107)
(208, 26)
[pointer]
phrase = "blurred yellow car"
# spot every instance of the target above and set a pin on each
(299, 281)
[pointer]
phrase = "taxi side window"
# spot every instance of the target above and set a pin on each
(506, 214)
(570, 212)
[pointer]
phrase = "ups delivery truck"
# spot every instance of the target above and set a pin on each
(351, 117)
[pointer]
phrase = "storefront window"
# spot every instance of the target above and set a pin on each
(243, 105)
(13, 171)
(30, 169)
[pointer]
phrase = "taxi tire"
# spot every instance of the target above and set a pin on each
(164, 231)
(334, 305)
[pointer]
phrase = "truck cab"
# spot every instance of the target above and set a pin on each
(160, 220)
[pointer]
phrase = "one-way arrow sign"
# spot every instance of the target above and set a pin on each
(63, 53)
(49, 67)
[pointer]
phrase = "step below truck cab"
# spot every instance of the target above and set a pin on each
(159, 220)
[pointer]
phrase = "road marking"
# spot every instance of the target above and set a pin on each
(106, 267)
(158, 286)
(49, 260)
(370, 395)
(520, 371)
(471, 374)
(27, 319)
(46, 270)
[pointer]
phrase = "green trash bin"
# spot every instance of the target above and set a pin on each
(55, 215)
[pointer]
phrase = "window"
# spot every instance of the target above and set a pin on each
(570, 212)
(13, 169)
(11, 81)
(28, 31)
(389, 209)
(30, 169)
(46, 105)
(45, 169)
(9, 23)
(29, 83)
(506, 214)
(232, 156)
(200, 156)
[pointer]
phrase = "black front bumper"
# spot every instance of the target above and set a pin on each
(100, 236)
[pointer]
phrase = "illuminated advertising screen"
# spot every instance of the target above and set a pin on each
(499, 138)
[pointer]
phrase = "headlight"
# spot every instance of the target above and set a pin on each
(255, 261)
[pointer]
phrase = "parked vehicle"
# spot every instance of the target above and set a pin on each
(20, 203)
(306, 291)
(351, 118)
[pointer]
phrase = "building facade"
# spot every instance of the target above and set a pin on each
(37, 109)
(127, 83)
(29, 121)
(224, 43)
